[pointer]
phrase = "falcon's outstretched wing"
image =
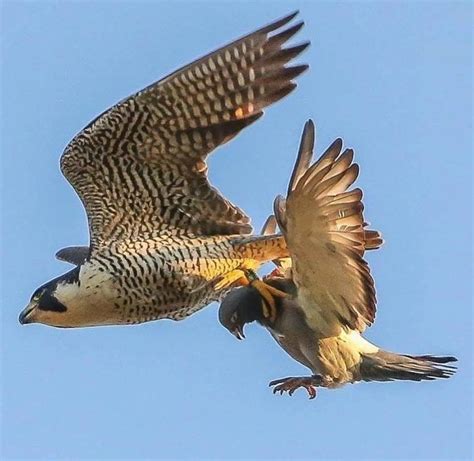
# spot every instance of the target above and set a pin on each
(140, 167)
(324, 229)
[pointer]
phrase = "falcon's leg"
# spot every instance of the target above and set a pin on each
(267, 291)
(291, 384)
(233, 278)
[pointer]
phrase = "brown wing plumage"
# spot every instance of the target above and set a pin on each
(140, 168)
(324, 227)
(269, 226)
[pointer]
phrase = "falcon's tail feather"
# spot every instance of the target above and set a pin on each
(388, 366)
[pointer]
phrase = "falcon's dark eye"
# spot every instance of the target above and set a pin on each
(37, 294)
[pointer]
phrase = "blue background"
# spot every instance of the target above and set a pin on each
(394, 79)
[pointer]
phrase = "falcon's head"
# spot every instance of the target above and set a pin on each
(242, 305)
(47, 304)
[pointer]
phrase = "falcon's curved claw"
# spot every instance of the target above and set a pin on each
(268, 294)
(291, 384)
(267, 291)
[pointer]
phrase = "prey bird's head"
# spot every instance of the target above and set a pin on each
(241, 306)
(260, 300)
(48, 303)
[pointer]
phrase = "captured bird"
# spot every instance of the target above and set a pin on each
(163, 242)
(317, 307)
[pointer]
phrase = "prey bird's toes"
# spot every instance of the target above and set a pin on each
(291, 384)
(278, 381)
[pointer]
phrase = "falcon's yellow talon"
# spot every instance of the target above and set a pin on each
(275, 291)
(268, 294)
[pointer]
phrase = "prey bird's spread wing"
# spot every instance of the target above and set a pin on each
(140, 167)
(325, 232)
(283, 264)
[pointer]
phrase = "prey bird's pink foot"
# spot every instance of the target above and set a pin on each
(291, 384)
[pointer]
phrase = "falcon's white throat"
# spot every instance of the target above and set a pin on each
(86, 301)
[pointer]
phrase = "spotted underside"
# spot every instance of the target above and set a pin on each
(153, 281)
(158, 228)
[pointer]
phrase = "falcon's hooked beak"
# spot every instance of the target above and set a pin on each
(26, 315)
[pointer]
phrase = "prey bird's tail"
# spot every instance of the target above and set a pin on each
(388, 366)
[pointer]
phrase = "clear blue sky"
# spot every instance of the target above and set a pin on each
(394, 80)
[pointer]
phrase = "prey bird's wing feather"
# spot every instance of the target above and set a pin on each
(305, 155)
(324, 229)
(269, 228)
(140, 167)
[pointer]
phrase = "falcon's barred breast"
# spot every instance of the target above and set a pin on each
(163, 241)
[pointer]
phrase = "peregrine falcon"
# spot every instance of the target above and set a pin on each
(317, 309)
(163, 242)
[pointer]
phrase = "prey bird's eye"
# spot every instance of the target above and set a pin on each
(233, 318)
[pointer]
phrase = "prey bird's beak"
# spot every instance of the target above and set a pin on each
(238, 332)
(25, 314)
